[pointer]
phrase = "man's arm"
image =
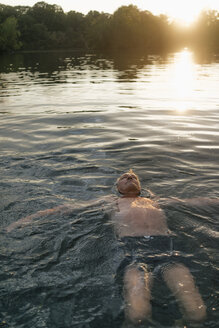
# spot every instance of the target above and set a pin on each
(26, 220)
(62, 209)
(201, 201)
(198, 201)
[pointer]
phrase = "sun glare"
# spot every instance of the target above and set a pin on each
(184, 13)
(183, 80)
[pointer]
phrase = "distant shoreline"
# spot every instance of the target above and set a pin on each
(46, 27)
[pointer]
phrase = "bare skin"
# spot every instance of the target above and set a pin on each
(26, 220)
(139, 216)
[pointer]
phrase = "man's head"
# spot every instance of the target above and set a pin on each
(128, 184)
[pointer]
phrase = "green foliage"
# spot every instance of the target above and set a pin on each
(52, 16)
(97, 26)
(126, 28)
(206, 31)
(9, 35)
(46, 26)
(5, 12)
(75, 30)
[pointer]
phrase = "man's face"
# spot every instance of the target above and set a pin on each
(129, 184)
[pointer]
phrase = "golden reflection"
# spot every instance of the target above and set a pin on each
(184, 76)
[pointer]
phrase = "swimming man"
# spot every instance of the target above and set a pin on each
(141, 221)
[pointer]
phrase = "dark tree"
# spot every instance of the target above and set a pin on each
(46, 26)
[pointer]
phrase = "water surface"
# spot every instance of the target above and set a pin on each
(70, 124)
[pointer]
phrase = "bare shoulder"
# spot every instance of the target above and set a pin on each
(151, 202)
(107, 199)
(145, 201)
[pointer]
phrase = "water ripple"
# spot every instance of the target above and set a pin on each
(67, 131)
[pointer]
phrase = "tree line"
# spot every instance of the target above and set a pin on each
(47, 27)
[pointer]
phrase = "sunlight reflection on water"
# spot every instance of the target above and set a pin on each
(184, 78)
(70, 124)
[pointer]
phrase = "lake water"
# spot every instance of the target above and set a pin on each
(70, 125)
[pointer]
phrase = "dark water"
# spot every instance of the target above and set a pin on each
(70, 124)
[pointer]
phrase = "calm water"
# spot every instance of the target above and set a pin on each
(70, 124)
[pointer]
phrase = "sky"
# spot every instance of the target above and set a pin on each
(185, 11)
